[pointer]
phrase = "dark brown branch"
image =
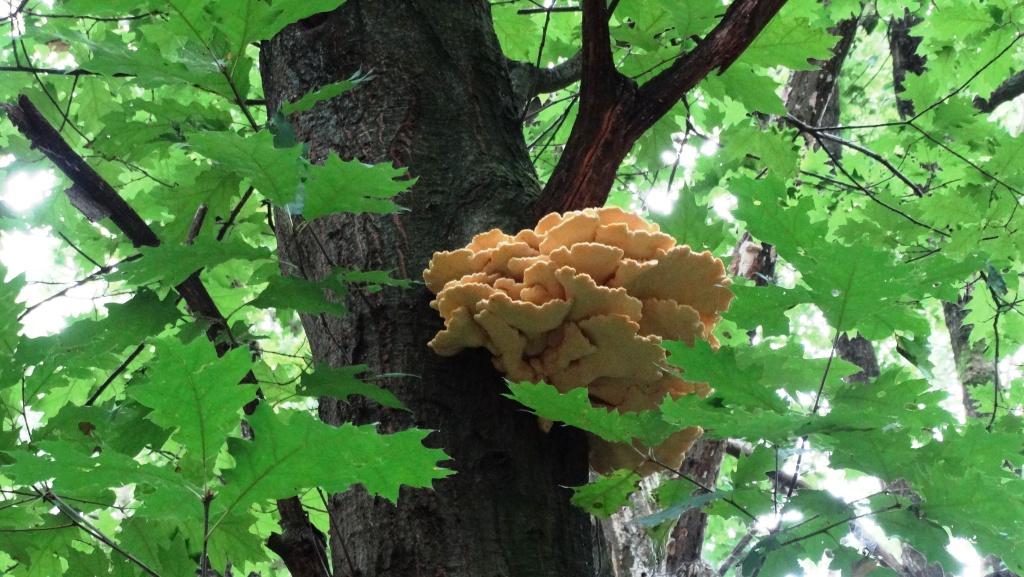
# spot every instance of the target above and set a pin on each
(546, 80)
(101, 196)
(27, 118)
(598, 68)
(197, 223)
(614, 112)
(742, 22)
(903, 48)
(59, 71)
(82, 523)
(94, 196)
(1011, 88)
(102, 270)
(560, 76)
(234, 214)
(300, 545)
(153, 14)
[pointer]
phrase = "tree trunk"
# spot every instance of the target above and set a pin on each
(905, 58)
(440, 103)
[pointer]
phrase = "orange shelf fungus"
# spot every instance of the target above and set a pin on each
(584, 299)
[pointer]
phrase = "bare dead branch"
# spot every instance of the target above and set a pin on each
(27, 118)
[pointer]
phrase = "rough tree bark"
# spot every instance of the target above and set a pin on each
(440, 104)
(905, 58)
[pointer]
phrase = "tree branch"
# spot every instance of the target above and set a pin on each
(91, 191)
(60, 71)
(27, 118)
(529, 80)
(742, 22)
(300, 545)
(598, 68)
(1011, 88)
(563, 75)
(614, 112)
(803, 127)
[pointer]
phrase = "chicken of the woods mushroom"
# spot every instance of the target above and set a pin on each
(584, 299)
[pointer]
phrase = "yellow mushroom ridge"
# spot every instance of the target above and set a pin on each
(584, 299)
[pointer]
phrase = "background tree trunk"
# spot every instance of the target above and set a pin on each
(440, 103)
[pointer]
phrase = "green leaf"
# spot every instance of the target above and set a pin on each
(293, 451)
(733, 381)
(170, 264)
(574, 408)
(789, 40)
(84, 475)
(677, 509)
(342, 383)
(198, 395)
(351, 186)
(325, 92)
(688, 223)
(607, 494)
(101, 342)
(293, 293)
(275, 172)
(10, 308)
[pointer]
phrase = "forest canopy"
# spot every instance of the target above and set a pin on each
(857, 165)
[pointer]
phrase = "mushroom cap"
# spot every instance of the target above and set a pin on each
(460, 332)
(579, 227)
(447, 266)
(637, 244)
(621, 353)
(671, 320)
(596, 260)
(589, 300)
(694, 279)
(584, 299)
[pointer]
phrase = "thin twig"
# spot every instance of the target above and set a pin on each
(804, 127)
(831, 526)
(839, 166)
(204, 560)
(234, 214)
(95, 18)
(93, 276)
(78, 250)
(997, 387)
(333, 527)
(651, 458)
(117, 372)
(814, 411)
(970, 79)
(737, 552)
(82, 523)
